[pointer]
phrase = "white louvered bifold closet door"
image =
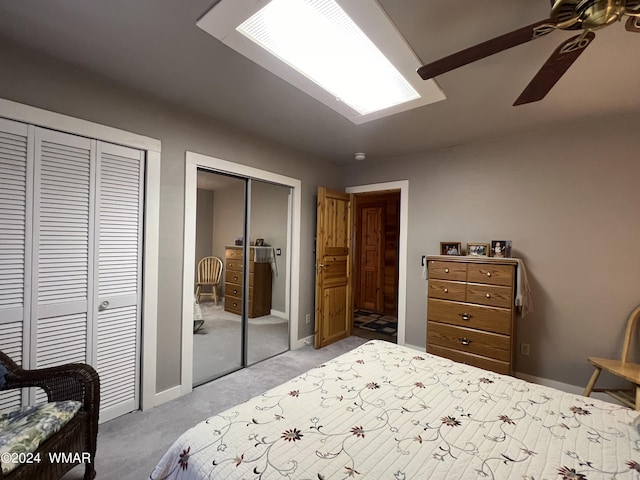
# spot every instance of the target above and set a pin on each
(118, 280)
(71, 259)
(63, 249)
(15, 250)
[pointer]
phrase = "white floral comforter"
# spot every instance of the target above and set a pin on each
(384, 411)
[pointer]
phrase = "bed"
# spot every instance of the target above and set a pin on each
(384, 411)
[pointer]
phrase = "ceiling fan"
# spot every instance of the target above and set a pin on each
(585, 15)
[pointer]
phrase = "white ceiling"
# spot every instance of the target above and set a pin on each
(154, 46)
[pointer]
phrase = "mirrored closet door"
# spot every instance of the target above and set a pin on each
(268, 325)
(241, 310)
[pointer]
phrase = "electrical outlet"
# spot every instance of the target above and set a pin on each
(525, 349)
(307, 319)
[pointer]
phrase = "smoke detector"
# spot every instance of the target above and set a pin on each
(359, 156)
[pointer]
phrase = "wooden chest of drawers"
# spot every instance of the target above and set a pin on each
(260, 278)
(470, 311)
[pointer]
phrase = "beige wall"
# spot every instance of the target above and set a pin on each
(269, 213)
(29, 78)
(204, 225)
(569, 202)
(228, 217)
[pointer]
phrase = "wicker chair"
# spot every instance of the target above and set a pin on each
(74, 381)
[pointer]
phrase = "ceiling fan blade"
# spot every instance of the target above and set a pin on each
(555, 67)
(485, 49)
(633, 24)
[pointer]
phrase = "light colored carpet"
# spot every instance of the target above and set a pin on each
(130, 446)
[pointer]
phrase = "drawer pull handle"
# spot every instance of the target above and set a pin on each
(464, 341)
(235, 278)
(446, 270)
(488, 274)
(465, 316)
(446, 290)
(235, 292)
(488, 295)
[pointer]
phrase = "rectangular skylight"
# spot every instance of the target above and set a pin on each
(345, 53)
(317, 38)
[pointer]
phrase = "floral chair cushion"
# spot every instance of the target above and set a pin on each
(24, 429)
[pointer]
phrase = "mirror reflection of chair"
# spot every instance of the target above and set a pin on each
(208, 275)
(622, 368)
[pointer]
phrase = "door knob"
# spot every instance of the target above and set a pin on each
(103, 306)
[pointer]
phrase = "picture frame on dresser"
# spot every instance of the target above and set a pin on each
(478, 249)
(501, 248)
(450, 248)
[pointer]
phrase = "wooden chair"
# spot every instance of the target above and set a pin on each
(209, 275)
(73, 381)
(622, 368)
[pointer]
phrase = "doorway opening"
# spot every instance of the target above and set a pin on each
(379, 307)
(377, 236)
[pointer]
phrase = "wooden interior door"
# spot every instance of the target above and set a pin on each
(334, 298)
(371, 262)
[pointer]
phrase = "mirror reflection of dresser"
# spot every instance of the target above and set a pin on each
(260, 280)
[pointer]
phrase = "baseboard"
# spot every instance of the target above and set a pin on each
(279, 314)
(414, 347)
(168, 395)
(303, 342)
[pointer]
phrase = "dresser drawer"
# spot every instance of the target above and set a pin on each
(447, 270)
(237, 265)
(470, 359)
(469, 340)
(490, 274)
(233, 304)
(493, 295)
(236, 253)
(491, 319)
(232, 276)
(447, 290)
(232, 290)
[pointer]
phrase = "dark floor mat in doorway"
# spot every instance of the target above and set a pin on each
(376, 322)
